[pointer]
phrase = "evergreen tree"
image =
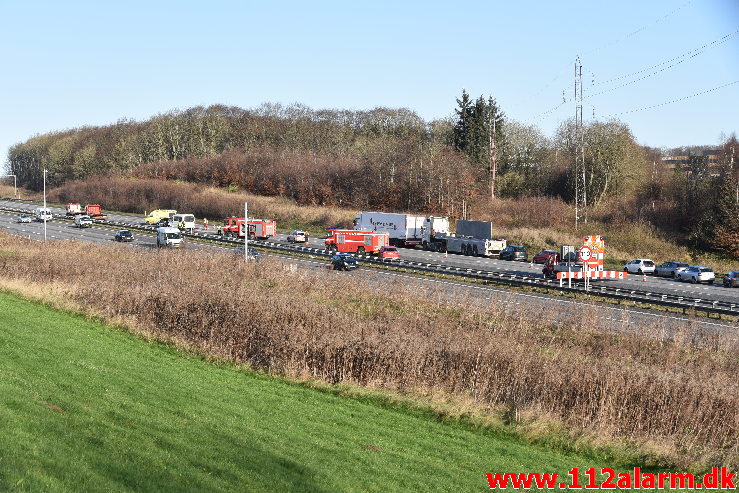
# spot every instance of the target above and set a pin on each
(474, 125)
(461, 128)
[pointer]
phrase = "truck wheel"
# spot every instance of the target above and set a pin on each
(474, 252)
(360, 250)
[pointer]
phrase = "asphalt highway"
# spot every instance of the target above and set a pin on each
(614, 317)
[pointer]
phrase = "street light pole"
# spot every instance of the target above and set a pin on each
(44, 212)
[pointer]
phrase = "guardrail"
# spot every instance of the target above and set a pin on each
(499, 277)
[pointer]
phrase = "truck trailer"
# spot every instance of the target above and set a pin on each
(402, 229)
(474, 238)
(95, 212)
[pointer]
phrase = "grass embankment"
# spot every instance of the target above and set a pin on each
(570, 384)
(87, 408)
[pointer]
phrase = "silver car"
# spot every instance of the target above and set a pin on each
(297, 236)
(697, 273)
(24, 219)
(670, 269)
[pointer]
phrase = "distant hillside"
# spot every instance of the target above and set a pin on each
(391, 159)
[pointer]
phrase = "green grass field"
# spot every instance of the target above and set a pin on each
(84, 407)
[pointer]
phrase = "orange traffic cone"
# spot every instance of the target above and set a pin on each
(446, 253)
(644, 277)
(531, 265)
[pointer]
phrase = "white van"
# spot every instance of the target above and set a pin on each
(187, 219)
(43, 214)
(169, 237)
(82, 221)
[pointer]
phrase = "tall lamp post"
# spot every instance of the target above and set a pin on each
(15, 185)
(44, 213)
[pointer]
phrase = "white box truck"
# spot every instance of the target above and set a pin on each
(403, 229)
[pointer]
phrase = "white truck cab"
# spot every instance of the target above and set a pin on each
(169, 237)
(82, 221)
(43, 214)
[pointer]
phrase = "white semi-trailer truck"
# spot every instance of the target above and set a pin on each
(403, 229)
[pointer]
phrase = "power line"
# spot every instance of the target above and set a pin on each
(675, 100)
(692, 53)
(633, 33)
(552, 110)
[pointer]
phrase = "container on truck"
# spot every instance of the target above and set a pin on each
(169, 237)
(95, 212)
(154, 216)
(403, 229)
(258, 228)
(359, 242)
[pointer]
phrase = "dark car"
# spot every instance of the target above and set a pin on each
(163, 223)
(343, 261)
(514, 252)
(731, 280)
(542, 256)
(253, 254)
(670, 269)
(124, 235)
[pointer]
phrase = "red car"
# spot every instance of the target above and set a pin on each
(542, 256)
(388, 252)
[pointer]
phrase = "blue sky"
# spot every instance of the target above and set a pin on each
(71, 64)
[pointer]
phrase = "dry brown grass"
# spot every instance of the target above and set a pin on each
(139, 195)
(646, 388)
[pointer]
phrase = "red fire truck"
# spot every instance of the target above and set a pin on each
(360, 242)
(95, 212)
(258, 228)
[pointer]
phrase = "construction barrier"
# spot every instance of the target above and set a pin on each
(594, 274)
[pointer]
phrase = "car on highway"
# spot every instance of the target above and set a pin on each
(388, 253)
(640, 266)
(23, 218)
(297, 236)
(696, 274)
(670, 269)
(124, 235)
(514, 252)
(83, 221)
(253, 254)
(731, 279)
(542, 256)
(343, 261)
